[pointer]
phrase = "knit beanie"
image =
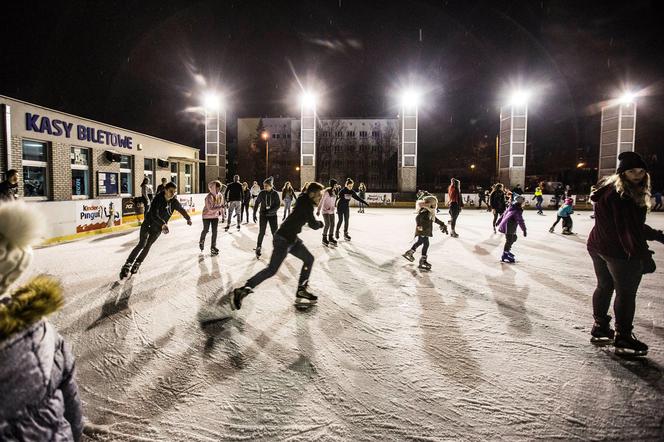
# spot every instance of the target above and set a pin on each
(20, 226)
(630, 160)
(269, 181)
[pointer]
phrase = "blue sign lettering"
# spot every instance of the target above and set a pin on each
(41, 124)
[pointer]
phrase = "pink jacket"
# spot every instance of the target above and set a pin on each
(214, 203)
(326, 204)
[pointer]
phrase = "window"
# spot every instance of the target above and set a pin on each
(375, 133)
(126, 175)
(187, 178)
(148, 169)
(174, 173)
(340, 134)
(375, 149)
(350, 149)
(35, 169)
(350, 133)
(80, 172)
(274, 136)
(337, 149)
(364, 148)
(363, 133)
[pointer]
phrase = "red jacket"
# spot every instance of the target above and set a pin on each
(620, 227)
(453, 195)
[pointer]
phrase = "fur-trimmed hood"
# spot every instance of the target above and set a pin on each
(28, 304)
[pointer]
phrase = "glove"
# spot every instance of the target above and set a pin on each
(649, 265)
(164, 229)
(189, 222)
(525, 234)
(321, 224)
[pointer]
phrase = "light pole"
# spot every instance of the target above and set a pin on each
(308, 123)
(513, 139)
(409, 126)
(617, 133)
(215, 137)
(266, 137)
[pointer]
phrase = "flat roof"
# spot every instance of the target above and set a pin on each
(98, 122)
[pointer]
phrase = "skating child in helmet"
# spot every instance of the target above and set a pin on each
(565, 214)
(424, 220)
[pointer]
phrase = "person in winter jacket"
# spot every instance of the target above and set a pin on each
(268, 202)
(455, 202)
(565, 213)
(9, 187)
(497, 200)
(156, 222)
(286, 241)
(343, 206)
(214, 207)
(255, 190)
(147, 194)
(539, 199)
(362, 192)
(287, 196)
(233, 198)
(424, 230)
(618, 247)
(509, 221)
(246, 200)
(39, 399)
(160, 188)
(326, 205)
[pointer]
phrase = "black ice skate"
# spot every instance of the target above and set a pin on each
(214, 251)
(226, 228)
(201, 245)
(135, 267)
(326, 242)
(424, 265)
(124, 272)
(346, 236)
(258, 252)
(333, 242)
(628, 346)
(602, 333)
(336, 234)
(238, 295)
(304, 298)
(409, 255)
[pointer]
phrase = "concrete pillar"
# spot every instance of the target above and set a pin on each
(308, 141)
(617, 135)
(215, 145)
(512, 145)
(407, 173)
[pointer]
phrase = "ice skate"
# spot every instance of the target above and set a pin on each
(326, 242)
(567, 232)
(508, 258)
(424, 265)
(336, 234)
(226, 228)
(135, 267)
(238, 295)
(551, 230)
(124, 272)
(333, 242)
(238, 227)
(409, 255)
(602, 333)
(453, 234)
(214, 251)
(304, 298)
(346, 236)
(258, 252)
(201, 245)
(628, 345)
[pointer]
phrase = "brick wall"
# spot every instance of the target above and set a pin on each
(60, 172)
(101, 164)
(17, 154)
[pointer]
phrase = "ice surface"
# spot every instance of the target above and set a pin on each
(474, 350)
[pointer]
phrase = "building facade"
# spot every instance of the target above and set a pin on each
(63, 157)
(364, 149)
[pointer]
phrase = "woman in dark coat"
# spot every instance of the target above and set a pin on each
(618, 247)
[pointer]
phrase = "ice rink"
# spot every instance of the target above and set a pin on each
(473, 350)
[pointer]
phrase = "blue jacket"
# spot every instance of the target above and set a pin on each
(566, 211)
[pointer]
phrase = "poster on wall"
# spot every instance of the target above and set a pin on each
(107, 183)
(98, 214)
(187, 202)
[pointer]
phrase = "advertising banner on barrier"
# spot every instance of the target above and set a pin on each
(131, 206)
(98, 214)
(375, 198)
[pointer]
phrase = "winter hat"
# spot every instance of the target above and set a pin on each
(519, 199)
(630, 160)
(333, 182)
(269, 181)
(569, 201)
(20, 227)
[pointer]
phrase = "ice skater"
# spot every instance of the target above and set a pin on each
(343, 206)
(255, 190)
(214, 207)
(233, 197)
(424, 230)
(326, 205)
(618, 247)
(512, 218)
(455, 203)
(268, 202)
(362, 192)
(497, 200)
(287, 196)
(539, 199)
(565, 214)
(154, 224)
(246, 199)
(286, 241)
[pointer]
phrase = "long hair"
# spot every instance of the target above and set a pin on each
(287, 186)
(639, 193)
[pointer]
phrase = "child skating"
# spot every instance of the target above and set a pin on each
(214, 207)
(565, 214)
(286, 241)
(512, 218)
(326, 205)
(424, 230)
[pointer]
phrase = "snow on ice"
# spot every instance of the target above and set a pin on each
(474, 350)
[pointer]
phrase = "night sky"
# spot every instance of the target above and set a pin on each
(145, 65)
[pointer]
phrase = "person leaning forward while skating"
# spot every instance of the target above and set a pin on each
(286, 241)
(156, 222)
